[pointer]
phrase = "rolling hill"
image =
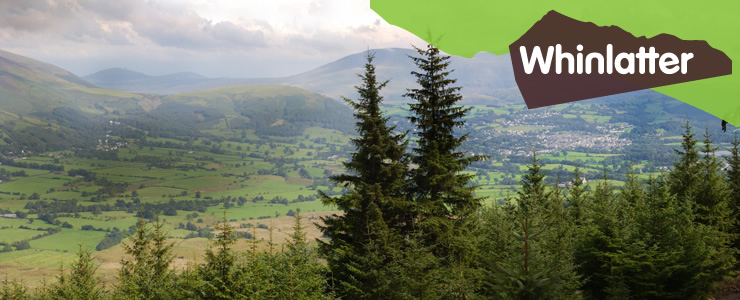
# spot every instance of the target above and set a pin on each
(44, 108)
(277, 110)
(131, 81)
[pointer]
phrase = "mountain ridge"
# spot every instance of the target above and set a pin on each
(486, 78)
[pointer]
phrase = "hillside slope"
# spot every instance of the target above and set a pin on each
(28, 86)
(268, 109)
(44, 108)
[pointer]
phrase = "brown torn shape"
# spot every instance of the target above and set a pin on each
(539, 89)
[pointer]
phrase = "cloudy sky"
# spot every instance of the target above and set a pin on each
(215, 38)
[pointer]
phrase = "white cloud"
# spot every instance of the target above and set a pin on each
(212, 37)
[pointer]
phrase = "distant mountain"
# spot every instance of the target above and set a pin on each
(45, 108)
(485, 78)
(136, 82)
(115, 75)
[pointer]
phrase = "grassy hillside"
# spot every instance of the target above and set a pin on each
(28, 86)
(268, 109)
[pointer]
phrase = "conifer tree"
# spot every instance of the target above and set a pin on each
(632, 191)
(711, 209)
(711, 197)
(421, 273)
(733, 187)
(220, 272)
(733, 173)
(375, 210)
(647, 254)
(161, 254)
(684, 177)
(81, 282)
(541, 237)
(646, 243)
(576, 198)
(301, 274)
(146, 274)
(657, 258)
(696, 180)
(445, 204)
(13, 289)
(601, 234)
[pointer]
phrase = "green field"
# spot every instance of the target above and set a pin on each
(69, 240)
(259, 178)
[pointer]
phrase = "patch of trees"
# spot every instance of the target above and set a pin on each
(29, 165)
(111, 239)
(96, 154)
(92, 228)
(21, 245)
(109, 188)
(48, 211)
(7, 176)
(87, 175)
(151, 210)
(303, 173)
(127, 132)
(203, 232)
(279, 200)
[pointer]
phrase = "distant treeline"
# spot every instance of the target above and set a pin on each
(48, 211)
(30, 165)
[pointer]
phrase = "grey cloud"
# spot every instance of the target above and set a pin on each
(113, 10)
(364, 29)
(318, 43)
(231, 33)
(32, 16)
(83, 21)
(193, 31)
(167, 36)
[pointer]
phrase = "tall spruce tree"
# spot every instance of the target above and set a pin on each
(576, 198)
(445, 205)
(363, 239)
(711, 199)
(602, 233)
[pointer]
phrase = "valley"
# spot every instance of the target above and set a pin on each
(80, 171)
